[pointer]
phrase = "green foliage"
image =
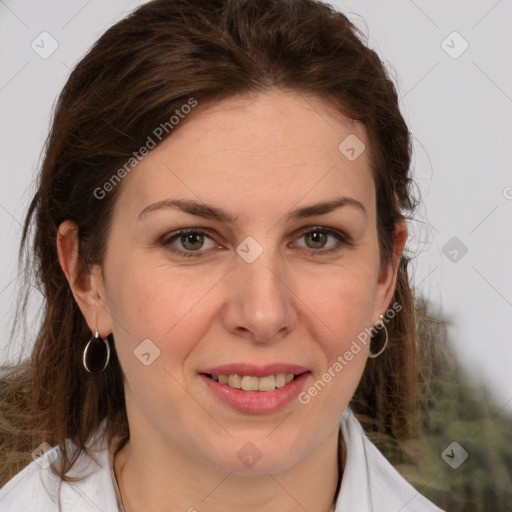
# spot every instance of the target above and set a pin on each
(454, 409)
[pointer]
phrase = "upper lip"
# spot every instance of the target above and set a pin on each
(253, 370)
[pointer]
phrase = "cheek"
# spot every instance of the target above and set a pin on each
(343, 304)
(343, 299)
(156, 313)
(163, 304)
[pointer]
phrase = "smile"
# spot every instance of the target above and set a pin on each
(251, 394)
(252, 383)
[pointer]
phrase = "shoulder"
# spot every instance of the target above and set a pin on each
(369, 480)
(37, 489)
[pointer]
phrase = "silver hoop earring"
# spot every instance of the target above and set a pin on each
(96, 354)
(373, 356)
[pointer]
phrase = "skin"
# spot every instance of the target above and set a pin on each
(259, 157)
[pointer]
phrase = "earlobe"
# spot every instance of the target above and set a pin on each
(84, 286)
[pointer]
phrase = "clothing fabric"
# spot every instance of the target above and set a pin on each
(369, 483)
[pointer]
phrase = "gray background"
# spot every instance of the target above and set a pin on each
(459, 110)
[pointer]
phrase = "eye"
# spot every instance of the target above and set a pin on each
(192, 241)
(319, 236)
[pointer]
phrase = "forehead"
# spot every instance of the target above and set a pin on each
(265, 152)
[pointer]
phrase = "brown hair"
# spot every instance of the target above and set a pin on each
(132, 80)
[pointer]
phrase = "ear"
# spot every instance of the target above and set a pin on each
(87, 287)
(388, 275)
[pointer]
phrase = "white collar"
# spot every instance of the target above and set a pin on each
(370, 483)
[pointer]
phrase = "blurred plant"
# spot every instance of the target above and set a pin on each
(452, 408)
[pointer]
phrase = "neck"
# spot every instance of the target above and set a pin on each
(149, 481)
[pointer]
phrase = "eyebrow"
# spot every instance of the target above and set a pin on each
(208, 211)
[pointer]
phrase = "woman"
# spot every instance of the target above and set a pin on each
(219, 229)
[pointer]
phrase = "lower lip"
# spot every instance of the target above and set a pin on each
(256, 402)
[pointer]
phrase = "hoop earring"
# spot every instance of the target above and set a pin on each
(373, 356)
(96, 355)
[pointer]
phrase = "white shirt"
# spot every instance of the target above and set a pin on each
(369, 482)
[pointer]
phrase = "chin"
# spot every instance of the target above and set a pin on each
(256, 457)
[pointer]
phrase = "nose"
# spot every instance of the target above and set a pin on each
(261, 305)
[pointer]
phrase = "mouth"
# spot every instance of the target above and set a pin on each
(272, 388)
(264, 384)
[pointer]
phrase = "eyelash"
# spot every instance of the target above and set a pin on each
(342, 237)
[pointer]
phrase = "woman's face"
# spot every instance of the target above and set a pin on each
(264, 291)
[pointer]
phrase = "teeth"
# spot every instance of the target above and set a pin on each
(266, 383)
(235, 381)
(250, 383)
(280, 380)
